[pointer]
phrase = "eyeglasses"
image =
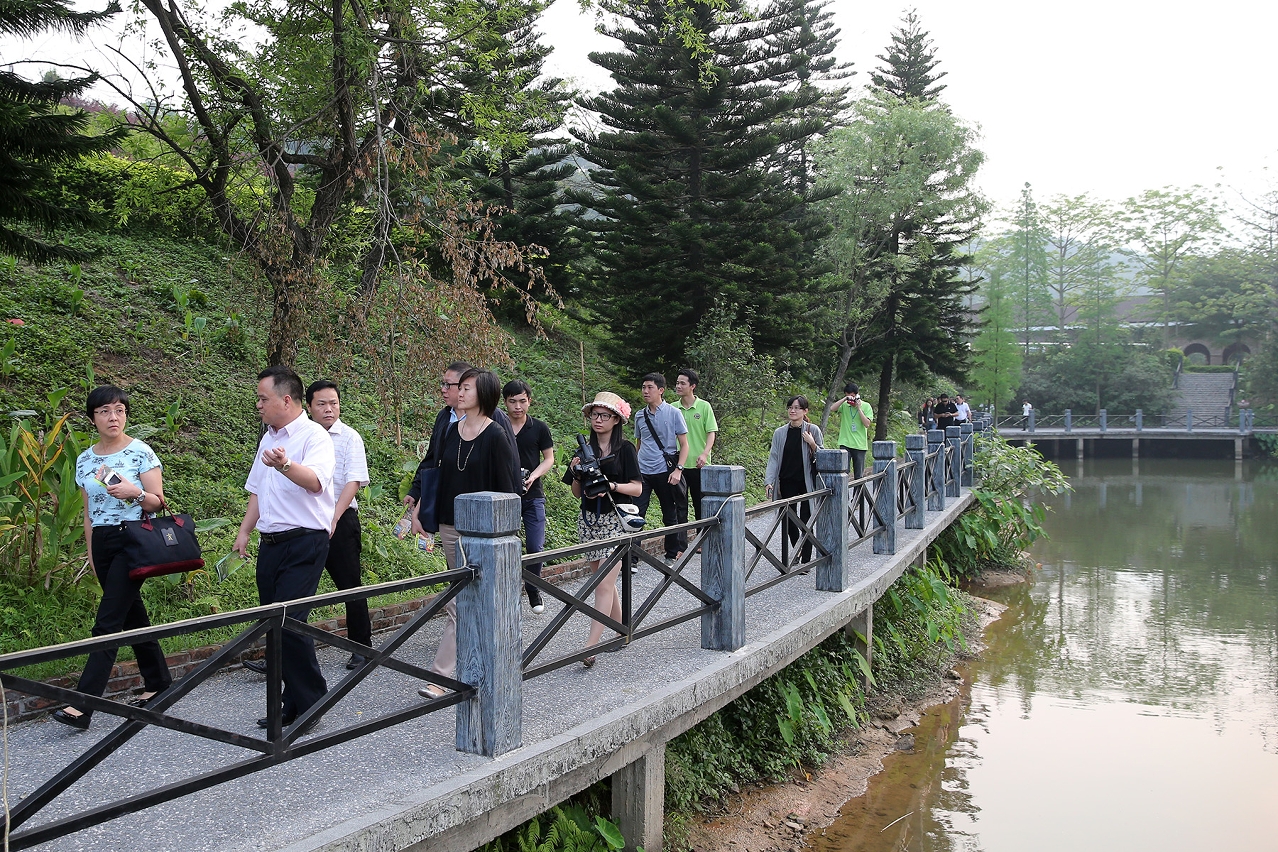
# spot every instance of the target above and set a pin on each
(796, 408)
(601, 415)
(119, 410)
(447, 385)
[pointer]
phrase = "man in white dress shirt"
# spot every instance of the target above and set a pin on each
(291, 505)
(349, 475)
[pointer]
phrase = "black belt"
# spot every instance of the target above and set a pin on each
(281, 537)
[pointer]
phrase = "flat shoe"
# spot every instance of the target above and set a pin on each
(432, 691)
(589, 662)
(258, 666)
(265, 722)
(80, 723)
(355, 661)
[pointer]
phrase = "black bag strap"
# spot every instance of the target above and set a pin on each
(655, 436)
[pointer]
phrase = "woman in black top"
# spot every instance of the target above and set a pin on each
(790, 466)
(598, 517)
(476, 457)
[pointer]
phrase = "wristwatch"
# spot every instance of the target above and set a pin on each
(140, 499)
(287, 464)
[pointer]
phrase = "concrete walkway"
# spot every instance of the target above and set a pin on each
(408, 784)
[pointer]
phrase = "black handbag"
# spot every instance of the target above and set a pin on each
(427, 510)
(161, 544)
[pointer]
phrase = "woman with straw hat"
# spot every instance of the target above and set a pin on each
(598, 520)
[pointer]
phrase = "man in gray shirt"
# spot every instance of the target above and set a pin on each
(663, 448)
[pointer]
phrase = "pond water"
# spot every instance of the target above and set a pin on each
(1128, 699)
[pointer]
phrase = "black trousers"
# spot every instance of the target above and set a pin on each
(692, 476)
(791, 530)
(856, 461)
(343, 566)
(121, 608)
(285, 572)
(674, 508)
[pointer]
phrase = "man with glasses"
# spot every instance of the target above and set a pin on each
(448, 386)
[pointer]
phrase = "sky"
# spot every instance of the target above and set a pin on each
(1107, 98)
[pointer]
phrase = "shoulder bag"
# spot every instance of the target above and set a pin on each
(161, 544)
(672, 459)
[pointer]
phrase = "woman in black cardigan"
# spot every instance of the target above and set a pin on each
(476, 457)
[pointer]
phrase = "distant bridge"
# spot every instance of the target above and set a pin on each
(1137, 427)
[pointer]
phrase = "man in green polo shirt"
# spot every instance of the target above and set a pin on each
(702, 428)
(856, 418)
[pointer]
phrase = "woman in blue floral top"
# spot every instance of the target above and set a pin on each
(119, 478)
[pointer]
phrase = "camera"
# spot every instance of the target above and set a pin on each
(523, 480)
(593, 481)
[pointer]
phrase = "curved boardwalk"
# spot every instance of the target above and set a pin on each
(407, 786)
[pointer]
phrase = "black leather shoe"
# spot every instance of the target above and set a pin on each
(80, 723)
(355, 661)
(258, 666)
(266, 722)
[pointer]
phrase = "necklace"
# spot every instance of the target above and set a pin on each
(461, 465)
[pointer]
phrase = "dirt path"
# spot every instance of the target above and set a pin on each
(777, 817)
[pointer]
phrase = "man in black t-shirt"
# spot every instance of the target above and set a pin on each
(536, 458)
(945, 412)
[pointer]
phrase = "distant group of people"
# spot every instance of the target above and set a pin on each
(941, 412)
(308, 469)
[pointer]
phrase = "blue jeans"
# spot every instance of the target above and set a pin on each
(533, 511)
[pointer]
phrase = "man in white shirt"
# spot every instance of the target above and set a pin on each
(964, 411)
(350, 474)
(291, 505)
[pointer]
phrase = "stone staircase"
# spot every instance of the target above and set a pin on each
(1207, 394)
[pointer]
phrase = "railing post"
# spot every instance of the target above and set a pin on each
(1242, 420)
(954, 437)
(1069, 420)
(936, 470)
(916, 450)
(968, 446)
(1189, 419)
(831, 523)
(1029, 425)
(723, 556)
(1140, 420)
(1104, 420)
(885, 502)
(489, 642)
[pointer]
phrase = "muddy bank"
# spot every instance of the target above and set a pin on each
(778, 817)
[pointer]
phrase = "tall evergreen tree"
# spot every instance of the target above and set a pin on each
(996, 359)
(36, 135)
(691, 208)
(909, 66)
(912, 250)
(521, 180)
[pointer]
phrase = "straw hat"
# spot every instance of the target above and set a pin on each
(610, 401)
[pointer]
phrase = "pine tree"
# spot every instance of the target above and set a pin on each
(910, 64)
(519, 181)
(691, 208)
(996, 358)
(36, 136)
(922, 327)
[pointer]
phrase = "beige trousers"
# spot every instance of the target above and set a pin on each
(446, 657)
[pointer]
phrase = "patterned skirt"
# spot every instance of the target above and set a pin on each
(592, 527)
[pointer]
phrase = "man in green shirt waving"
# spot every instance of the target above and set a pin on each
(702, 428)
(856, 418)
